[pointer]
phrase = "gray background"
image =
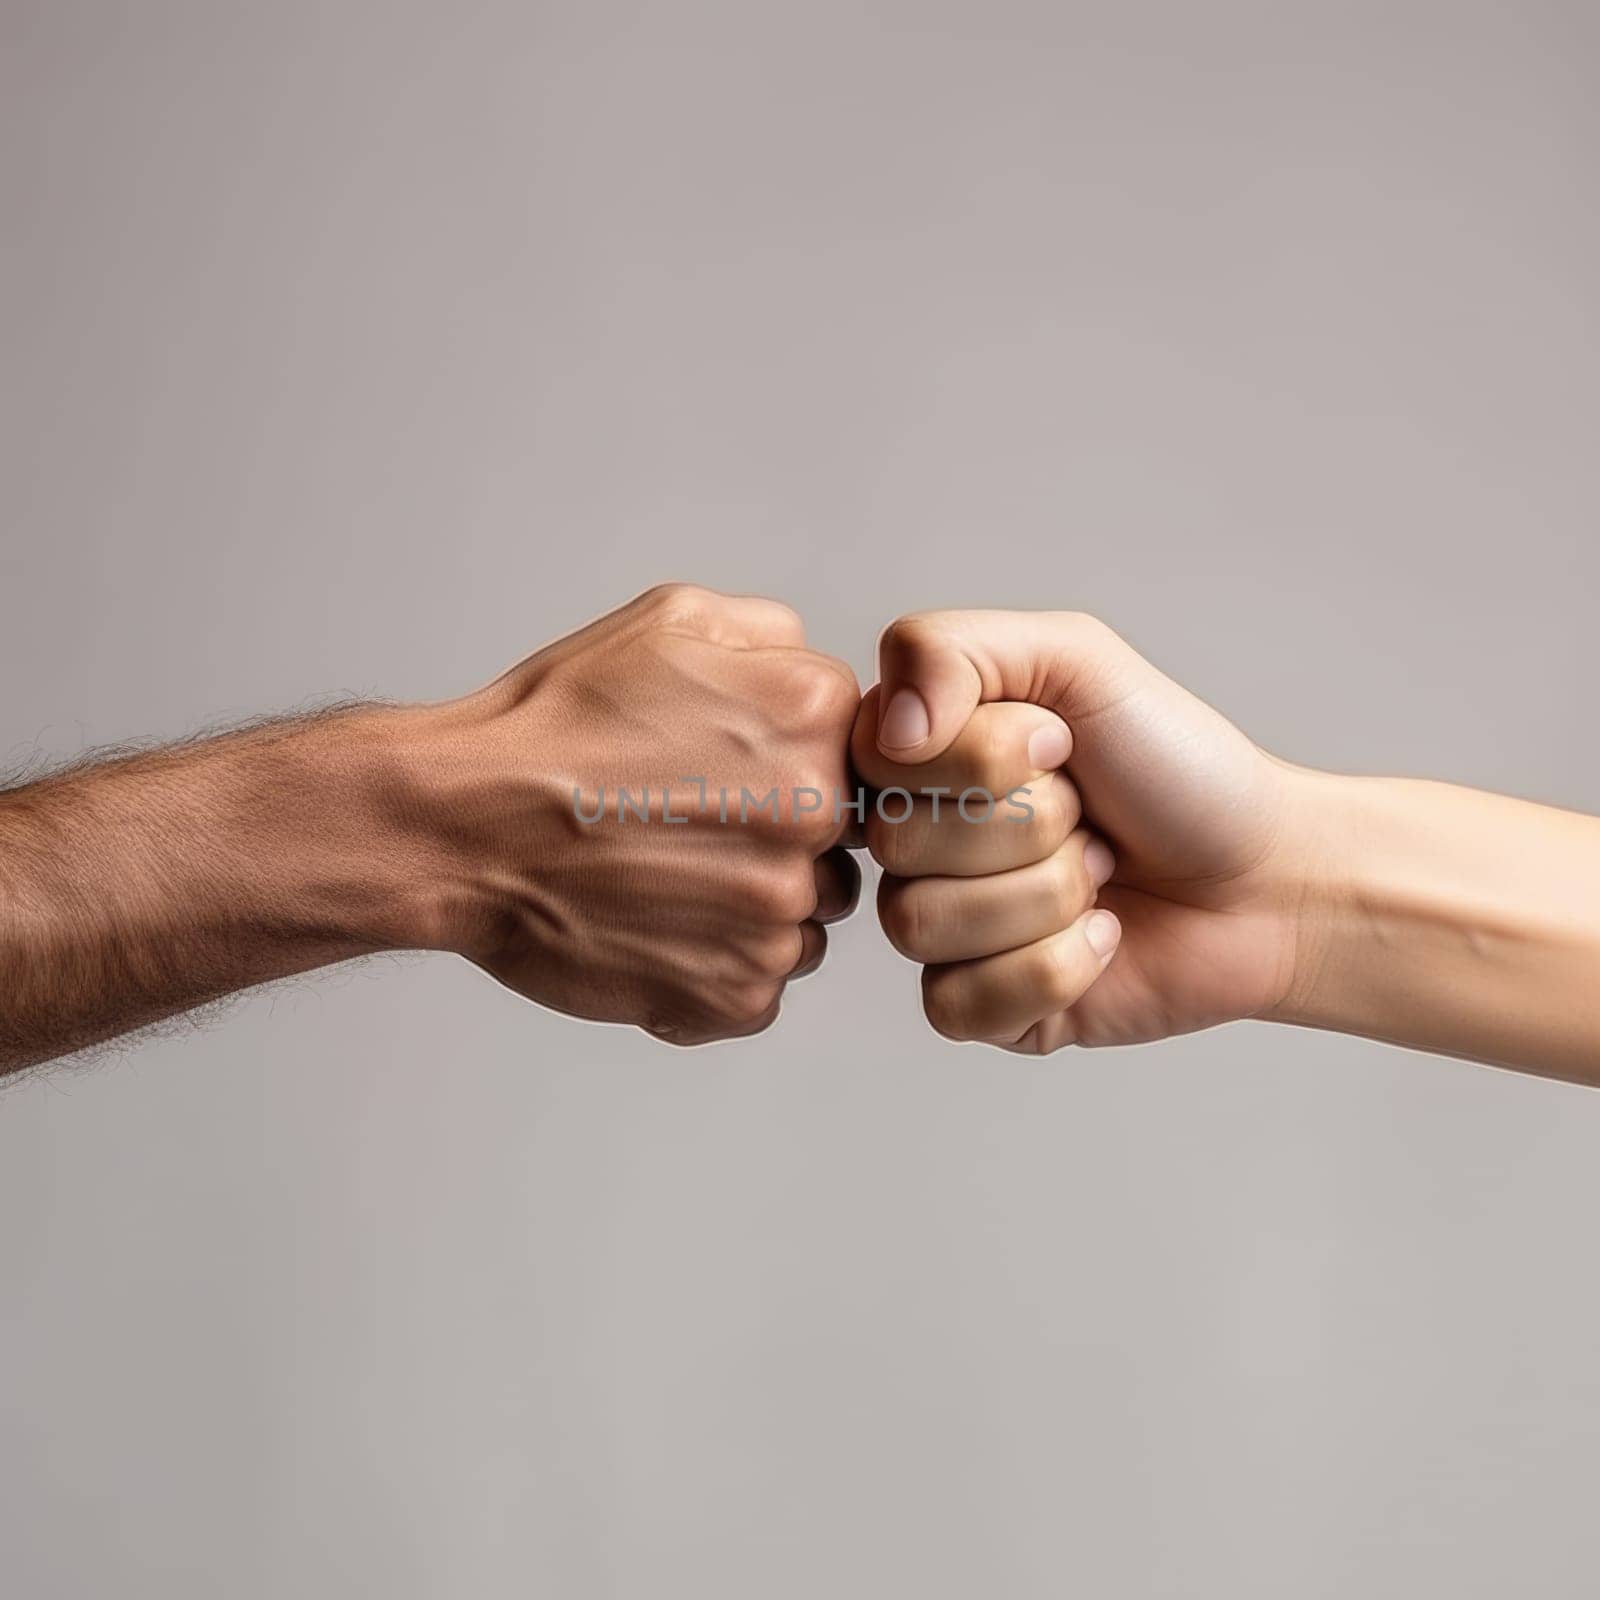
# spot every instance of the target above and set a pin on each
(362, 348)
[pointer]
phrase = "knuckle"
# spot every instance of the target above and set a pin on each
(812, 953)
(1071, 805)
(786, 897)
(810, 833)
(1047, 809)
(838, 883)
(943, 1004)
(800, 893)
(815, 831)
(913, 633)
(820, 769)
(772, 956)
(1073, 891)
(1059, 809)
(1052, 974)
(782, 611)
(884, 842)
(901, 916)
(822, 697)
(743, 1006)
(677, 600)
(666, 594)
(1096, 638)
(1089, 626)
(985, 749)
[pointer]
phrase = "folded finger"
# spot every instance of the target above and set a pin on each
(960, 919)
(968, 837)
(1002, 745)
(813, 947)
(999, 998)
(838, 885)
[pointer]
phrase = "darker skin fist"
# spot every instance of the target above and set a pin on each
(689, 928)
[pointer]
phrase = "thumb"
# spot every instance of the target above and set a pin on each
(937, 667)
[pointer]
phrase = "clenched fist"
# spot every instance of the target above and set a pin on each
(641, 824)
(645, 815)
(1152, 889)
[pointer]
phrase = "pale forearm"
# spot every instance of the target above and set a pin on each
(136, 889)
(1452, 920)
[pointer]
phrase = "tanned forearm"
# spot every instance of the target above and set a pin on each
(134, 889)
(1451, 920)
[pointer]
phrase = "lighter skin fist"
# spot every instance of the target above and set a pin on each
(1154, 894)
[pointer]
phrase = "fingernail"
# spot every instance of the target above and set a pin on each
(1102, 930)
(1049, 746)
(904, 722)
(1097, 857)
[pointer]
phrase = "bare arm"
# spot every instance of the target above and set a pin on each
(1449, 919)
(136, 889)
(1235, 885)
(140, 887)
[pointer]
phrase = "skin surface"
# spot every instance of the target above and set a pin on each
(1230, 884)
(139, 888)
(1147, 871)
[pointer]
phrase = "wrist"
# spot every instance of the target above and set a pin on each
(334, 809)
(1317, 888)
(405, 765)
(466, 816)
